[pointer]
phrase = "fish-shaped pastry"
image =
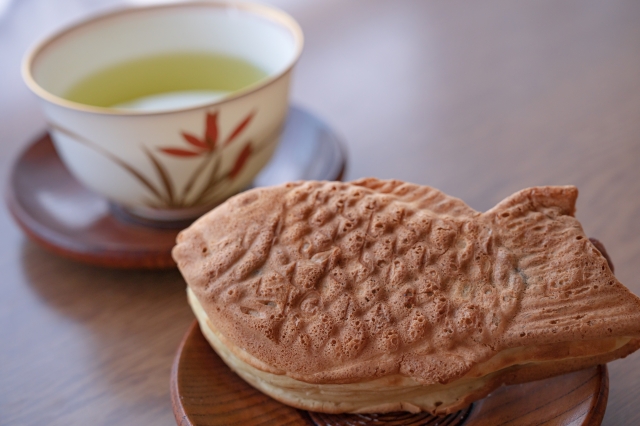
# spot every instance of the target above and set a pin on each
(378, 296)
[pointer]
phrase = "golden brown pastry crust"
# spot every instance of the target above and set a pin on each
(331, 282)
(399, 393)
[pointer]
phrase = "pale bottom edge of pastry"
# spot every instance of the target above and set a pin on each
(396, 392)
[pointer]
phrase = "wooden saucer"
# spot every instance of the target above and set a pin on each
(204, 391)
(57, 212)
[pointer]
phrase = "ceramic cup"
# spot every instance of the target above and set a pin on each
(168, 162)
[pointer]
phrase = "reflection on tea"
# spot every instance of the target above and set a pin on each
(165, 82)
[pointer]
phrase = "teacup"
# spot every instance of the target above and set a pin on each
(164, 149)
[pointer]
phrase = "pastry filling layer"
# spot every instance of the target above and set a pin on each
(389, 393)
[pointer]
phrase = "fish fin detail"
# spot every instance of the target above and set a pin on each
(539, 198)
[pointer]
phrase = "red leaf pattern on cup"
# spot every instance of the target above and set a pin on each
(211, 130)
(207, 144)
(240, 128)
(208, 175)
(208, 180)
(241, 160)
(177, 152)
(194, 141)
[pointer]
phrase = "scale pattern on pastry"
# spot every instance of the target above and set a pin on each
(328, 282)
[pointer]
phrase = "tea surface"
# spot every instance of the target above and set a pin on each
(166, 81)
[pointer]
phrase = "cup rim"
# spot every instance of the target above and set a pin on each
(272, 13)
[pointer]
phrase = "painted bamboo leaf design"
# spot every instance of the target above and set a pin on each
(164, 178)
(196, 174)
(208, 146)
(130, 169)
(239, 128)
(211, 131)
(241, 160)
(177, 152)
(194, 141)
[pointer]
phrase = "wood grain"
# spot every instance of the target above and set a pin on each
(204, 391)
(479, 99)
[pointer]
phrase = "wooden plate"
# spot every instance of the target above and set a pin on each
(57, 212)
(204, 391)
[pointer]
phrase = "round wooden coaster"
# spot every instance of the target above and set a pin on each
(389, 419)
(204, 391)
(60, 214)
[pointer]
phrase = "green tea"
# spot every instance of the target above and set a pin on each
(166, 81)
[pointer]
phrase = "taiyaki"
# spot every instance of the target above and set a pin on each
(381, 295)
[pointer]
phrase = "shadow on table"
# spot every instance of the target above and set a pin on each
(109, 334)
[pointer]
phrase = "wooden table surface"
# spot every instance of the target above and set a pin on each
(479, 99)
